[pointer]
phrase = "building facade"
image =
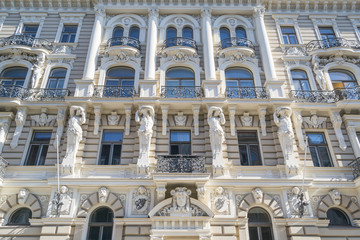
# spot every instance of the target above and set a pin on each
(169, 120)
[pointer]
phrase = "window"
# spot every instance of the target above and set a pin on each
(300, 80)
(134, 32)
(119, 82)
(187, 32)
(14, 76)
(249, 148)
(225, 37)
(342, 79)
(180, 142)
(180, 82)
(319, 150)
(240, 32)
(259, 224)
(30, 30)
(111, 147)
(239, 83)
(337, 217)
(327, 33)
(101, 224)
(38, 148)
(57, 78)
(118, 32)
(289, 35)
(20, 217)
(68, 33)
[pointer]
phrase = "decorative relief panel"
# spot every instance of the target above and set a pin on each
(141, 199)
(220, 201)
(43, 119)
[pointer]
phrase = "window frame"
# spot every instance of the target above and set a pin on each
(333, 160)
(324, 21)
(180, 143)
(111, 147)
(287, 35)
(49, 76)
(288, 20)
(255, 130)
(69, 19)
(350, 73)
(347, 217)
(100, 224)
(259, 225)
(28, 24)
(15, 210)
(28, 147)
(31, 18)
(26, 75)
(299, 79)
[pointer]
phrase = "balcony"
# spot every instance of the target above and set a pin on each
(181, 92)
(181, 164)
(27, 41)
(246, 92)
(114, 91)
(314, 96)
(123, 41)
(236, 42)
(348, 93)
(232, 46)
(327, 47)
(33, 94)
(355, 166)
(180, 41)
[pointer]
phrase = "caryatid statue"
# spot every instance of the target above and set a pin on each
(216, 118)
(74, 136)
(286, 137)
(145, 116)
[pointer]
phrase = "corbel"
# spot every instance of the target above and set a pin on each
(262, 114)
(60, 119)
(336, 121)
(164, 110)
(127, 119)
(298, 120)
(5, 120)
(196, 111)
(232, 110)
(20, 120)
(97, 112)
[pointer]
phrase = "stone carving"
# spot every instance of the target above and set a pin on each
(298, 120)
(97, 112)
(295, 202)
(180, 119)
(62, 50)
(20, 119)
(314, 120)
(60, 118)
(160, 190)
(295, 51)
(220, 201)
(286, 137)
(113, 119)
(4, 129)
(180, 202)
(337, 121)
(127, 119)
(335, 196)
(319, 73)
(103, 194)
(145, 116)
(164, 110)
(180, 57)
(201, 191)
(23, 195)
(74, 136)
(196, 111)
(61, 204)
(246, 120)
(216, 118)
(258, 195)
(38, 69)
(262, 114)
(43, 118)
(141, 201)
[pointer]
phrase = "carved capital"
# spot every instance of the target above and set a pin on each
(206, 12)
(259, 12)
(154, 12)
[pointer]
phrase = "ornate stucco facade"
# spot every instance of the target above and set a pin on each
(181, 119)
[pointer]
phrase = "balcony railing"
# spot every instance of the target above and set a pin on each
(181, 164)
(3, 165)
(123, 41)
(331, 43)
(355, 166)
(33, 94)
(314, 96)
(26, 41)
(181, 92)
(180, 41)
(114, 91)
(236, 42)
(348, 93)
(246, 92)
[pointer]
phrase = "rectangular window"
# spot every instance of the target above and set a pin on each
(249, 148)
(38, 148)
(327, 33)
(289, 35)
(68, 33)
(111, 147)
(180, 143)
(30, 30)
(319, 150)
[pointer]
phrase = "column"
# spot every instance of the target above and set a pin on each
(354, 140)
(275, 88)
(84, 86)
(148, 85)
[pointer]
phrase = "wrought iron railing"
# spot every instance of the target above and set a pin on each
(26, 41)
(348, 93)
(181, 92)
(181, 164)
(246, 92)
(314, 96)
(180, 41)
(355, 166)
(236, 42)
(114, 91)
(123, 41)
(330, 43)
(33, 94)
(3, 165)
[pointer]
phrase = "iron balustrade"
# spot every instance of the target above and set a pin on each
(236, 42)
(114, 91)
(26, 41)
(124, 41)
(33, 94)
(355, 167)
(181, 164)
(180, 41)
(181, 92)
(314, 96)
(348, 93)
(330, 43)
(246, 92)
(3, 166)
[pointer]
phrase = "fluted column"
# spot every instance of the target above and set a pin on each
(208, 44)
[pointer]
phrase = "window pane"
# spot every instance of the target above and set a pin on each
(240, 32)
(258, 215)
(105, 155)
(253, 233)
(180, 73)
(246, 83)
(238, 74)
(14, 72)
(180, 136)
(255, 155)
(230, 83)
(134, 32)
(30, 30)
(305, 85)
(293, 39)
(118, 32)
(266, 233)
(185, 149)
(172, 83)
(341, 76)
(43, 153)
(171, 33)
(174, 149)
(224, 33)
(187, 32)
(337, 217)
(20, 217)
(107, 233)
(286, 39)
(32, 155)
(111, 136)
(188, 83)
(314, 156)
(121, 72)
(94, 233)
(103, 214)
(42, 136)
(324, 156)
(244, 159)
(285, 30)
(316, 138)
(247, 137)
(116, 155)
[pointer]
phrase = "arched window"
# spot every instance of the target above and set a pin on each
(119, 82)
(337, 217)
(101, 224)
(118, 32)
(57, 78)
(171, 34)
(225, 37)
(187, 32)
(180, 82)
(342, 79)
(259, 224)
(300, 80)
(240, 32)
(20, 217)
(13, 76)
(134, 32)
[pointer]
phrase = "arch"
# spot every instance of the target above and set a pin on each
(350, 78)
(343, 202)
(189, 64)
(50, 67)
(268, 202)
(14, 76)
(337, 217)
(93, 201)
(15, 201)
(179, 21)
(134, 32)
(19, 63)
(308, 72)
(355, 70)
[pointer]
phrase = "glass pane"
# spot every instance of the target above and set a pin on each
(180, 136)
(286, 39)
(14, 72)
(60, 84)
(127, 83)
(105, 155)
(52, 83)
(118, 32)
(253, 233)
(174, 149)
(43, 153)
(112, 136)
(30, 30)
(21, 217)
(337, 217)
(266, 233)
(185, 149)
(258, 215)
(255, 155)
(134, 32)
(244, 158)
(305, 85)
(324, 156)
(107, 233)
(316, 138)
(103, 214)
(238, 74)
(121, 72)
(293, 39)
(247, 137)
(32, 155)
(171, 33)
(341, 76)
(246, 83)
(224, 33)
(314, 156)
(112, 82)
(285, 30)
(187, 32)
(297, 85)
(116, 154)
(70, 28)
(42, 137)
(188, 83)
(298, 74)
(180, 73)
(240, 32)
(18, 82)
(230, 83)
(326, 30)
(94, 233)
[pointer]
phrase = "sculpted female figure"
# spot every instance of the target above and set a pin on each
(145, 116)
(216, 118)
(74, 135)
